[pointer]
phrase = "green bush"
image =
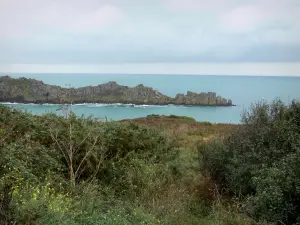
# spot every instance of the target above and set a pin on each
(183, 118)
(205, 123)
(186, 118)
(38, 154)
(43, 204)
(134, 157)
(154, 116)
(76, 170)
(258, 163)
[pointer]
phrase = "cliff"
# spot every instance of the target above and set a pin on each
(23, 90)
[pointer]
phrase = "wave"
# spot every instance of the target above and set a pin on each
(146, 106)
(81, 104)
(15, 103)
(9, 103)
(120, 105)
(48, 104)
(92, 105)
(107, 105)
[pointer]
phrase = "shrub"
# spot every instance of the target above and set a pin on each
(124, 160)
(186, 118)
(135, 157)
(258, 162)
(206, 123)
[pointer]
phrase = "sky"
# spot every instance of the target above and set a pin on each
(216, 36)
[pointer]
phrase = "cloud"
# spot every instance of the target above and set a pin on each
(196, 5)
(243, 18)
(107, 31)
(240, 16)
(102, 17)
(20, 18)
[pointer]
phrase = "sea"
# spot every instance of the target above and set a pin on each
(243, 90)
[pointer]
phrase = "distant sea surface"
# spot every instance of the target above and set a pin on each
(243, 90)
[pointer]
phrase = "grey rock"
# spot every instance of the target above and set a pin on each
(24, 90)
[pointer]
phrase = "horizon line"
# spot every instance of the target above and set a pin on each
(144, 74)
(192, 69)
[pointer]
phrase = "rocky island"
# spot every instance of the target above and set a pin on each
(24, 90)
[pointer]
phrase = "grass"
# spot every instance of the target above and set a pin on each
(185, 129)
(192, 198)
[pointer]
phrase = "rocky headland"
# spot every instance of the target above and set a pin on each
(24, 90)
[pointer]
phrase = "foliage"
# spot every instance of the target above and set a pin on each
(184, 118)
(77, 170)
(122, 159)
(258, 163)
(206, 123)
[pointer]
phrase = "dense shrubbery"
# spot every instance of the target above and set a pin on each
(180, 118)
(58, 170)
(76, 170)
(259, 162)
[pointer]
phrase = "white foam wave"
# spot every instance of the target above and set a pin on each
(146, 106)
(92, 105)
(121, 105)
(97, 105)
(48, 104)
(15, 103)
(9, 103)
(82, 104)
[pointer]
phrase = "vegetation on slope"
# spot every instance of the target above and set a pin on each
(76, 170)
(259, 163)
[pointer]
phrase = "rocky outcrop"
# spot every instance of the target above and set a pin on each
(25, 90)
(210, 98)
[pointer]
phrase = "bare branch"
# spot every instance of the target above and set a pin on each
(76, 149)
(97, 168)
(86, 155)
(55, 139)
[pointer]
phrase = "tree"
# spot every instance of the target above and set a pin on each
(77, 140)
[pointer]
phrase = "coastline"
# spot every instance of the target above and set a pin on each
(23, 90)
(111, 103)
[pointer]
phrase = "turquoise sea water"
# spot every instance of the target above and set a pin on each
(243, 90)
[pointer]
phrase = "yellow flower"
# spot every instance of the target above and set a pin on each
(34, 196)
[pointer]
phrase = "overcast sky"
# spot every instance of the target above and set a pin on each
(77, 32)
